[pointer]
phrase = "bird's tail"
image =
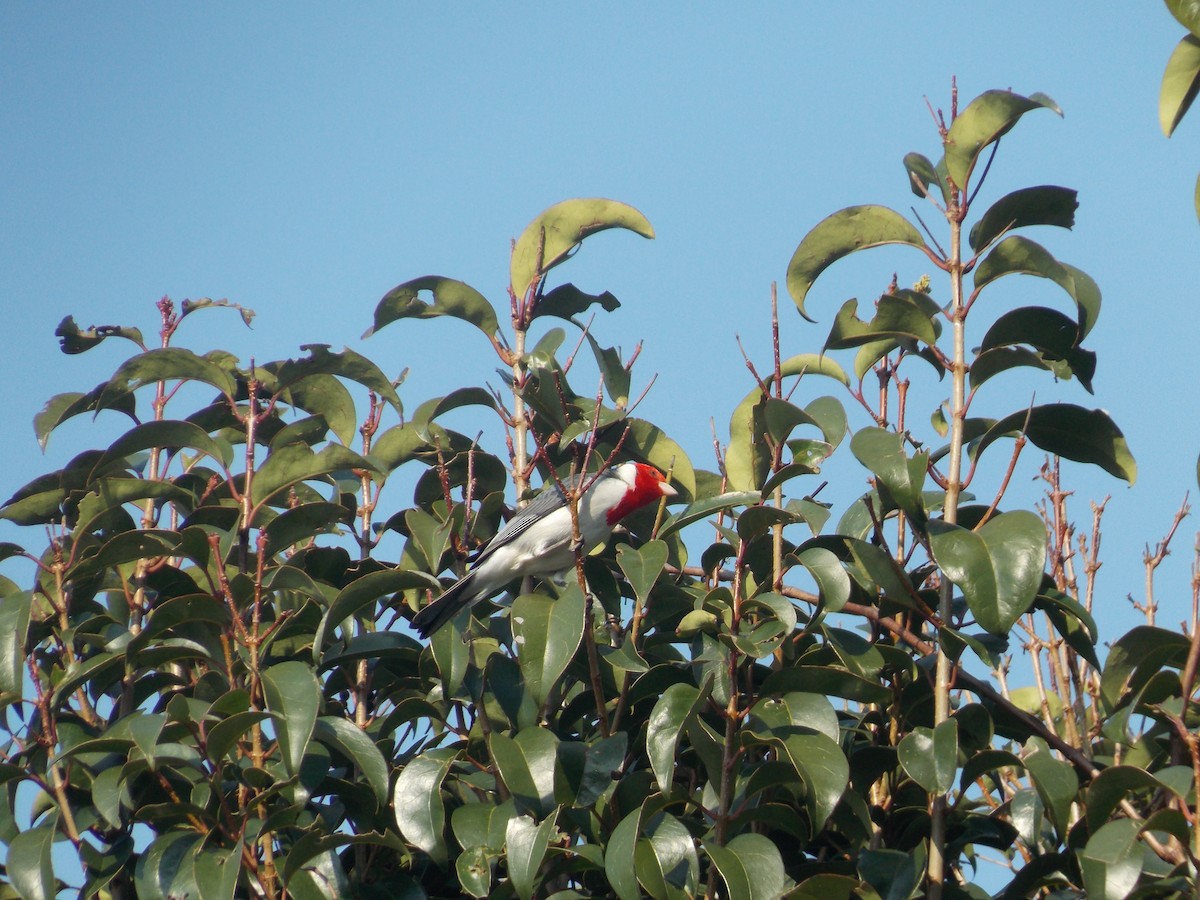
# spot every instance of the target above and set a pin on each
(456, 598)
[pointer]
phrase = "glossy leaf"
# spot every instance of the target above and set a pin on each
(164, 870)
(1111, 862)
(550, 238)
(930, 756)
(30, 868)
(169, 364)
(839, 235)
(292, 464)
(351, 740)
(293, 697)
(526, 844)
(1045, 204)
(882, 452)
(619, 856)
(216, 871)
(527, 766)
(667, 721)
(450, 298)
(417, 801)
(1056, 784)
(643, 566)
(999, 567)
(667, 864)
(363, 591)
(61, 407)
(1020, 256)
(1136, 657)
(1180, 83)
(14, 626)
(702, 509)
(1072, 432)
(751, 867)
(986, 119)
(1186, 13)
(547, 632)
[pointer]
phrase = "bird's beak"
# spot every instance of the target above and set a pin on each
(667, 490)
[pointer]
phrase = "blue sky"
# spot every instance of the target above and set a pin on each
(303, 160)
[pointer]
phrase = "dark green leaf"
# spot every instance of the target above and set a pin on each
(165, 869)
(1046, 330)
(216, 871)
(999, 567)
(1019, 255)
(292, 464)
(365, 590)
(1072, 432)
(1136, 657)
(73, 339)
(417, 800)
(1111, 862)
(294, 374)
(986, 119)
(14, 625)
(1056, 784)
(450, 298)
(619, 856)
(667, 721)
(469, 396)
(566, 301)
(922, 175)
(30, 868)
(750, 866)
(527, 764)
(844, 232)
(165, 434)
(547, 632)
(301, 523)
(896, 317)
(293, 697)
(930, 756)
(702, 509)
(550, 238)
(882, 452)
(167, 364)
(351, 740)
(61, 407)
(1045, 204)
(526, 845)
(642, 566)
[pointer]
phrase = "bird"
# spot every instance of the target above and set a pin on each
(538, 539)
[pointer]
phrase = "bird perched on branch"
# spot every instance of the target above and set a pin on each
(538, 539)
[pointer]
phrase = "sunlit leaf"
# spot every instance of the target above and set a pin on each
(1180, 83)
(751, 867)
(526, 844)
(450, 298)
(930, 756)
(844, 232)
(293, 697)
(547, 632)
(986, 119)
(73, 339)
(550, 238)
(417, 801)
(1112, 861)
(1019, 255)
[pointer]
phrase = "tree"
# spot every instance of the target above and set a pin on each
(212, 659)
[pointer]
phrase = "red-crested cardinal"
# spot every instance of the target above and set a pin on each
(537, 540)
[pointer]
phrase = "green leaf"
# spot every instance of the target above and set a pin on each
(1056, 784)
(1072, 432)
(365, 590)
(821, 764)
(165, 870)
(896, 317)
(844, 232)
(619, 856)
(922, 175)
(550, 238)
(547, 632)
(1046, 204)
(450, 298)
(930, 756)
(809, 364)
(73, 339)
(1186, 13)
(165, 434)
(751, 867)
(986, 119)
(1180, 83)
(895, 875)
(882, 452)
(304, 522)
(30, 868)
(566, 301)
(833, 584)
(526, 845)
(14, 626)
(527, 766)
(667, 721)
(1136, 657)
(325, 396)
(292, 464)
(187, 307)
(666, 860)
(61, 407)
(1111, 862)
(702, 509)
(345, 736)
(417, 800)
(1019, 255)
(999, 567)
(295, 374)
(616, 376)
(468, 396)
(168, 364)
(216, 871)
(1055, 335)
(642, 566)
(293, 697)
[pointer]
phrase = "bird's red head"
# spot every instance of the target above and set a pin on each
(644, 485)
